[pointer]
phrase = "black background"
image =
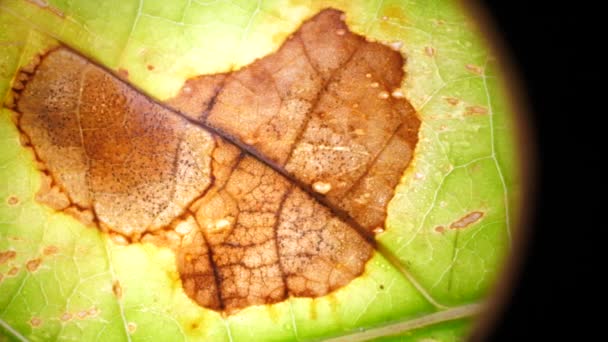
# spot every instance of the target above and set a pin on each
(558, 52)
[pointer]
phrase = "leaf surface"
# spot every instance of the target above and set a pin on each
(463, 164)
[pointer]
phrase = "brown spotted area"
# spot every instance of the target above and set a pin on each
(109, 149)
(319, 109)
(270, 186)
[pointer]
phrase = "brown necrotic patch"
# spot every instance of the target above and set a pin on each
(325, 109)
(268, 182)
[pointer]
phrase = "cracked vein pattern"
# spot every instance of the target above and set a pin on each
(314, 117)
(319, 109)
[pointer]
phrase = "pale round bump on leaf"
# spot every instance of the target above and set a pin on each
(131, 327)
(321, 187)
(396, 45)
(383, 95)
(35, 322)
(398, 93)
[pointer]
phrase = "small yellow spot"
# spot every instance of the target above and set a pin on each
(35, 321)
(368, 75)
(355, 105)
(383, 95)
(12, 200)
(340, 32)
(321, 187)
(378, 230)
(398, 93)
(131, 326)
(359, 131)
(374, 85)
(385, 18)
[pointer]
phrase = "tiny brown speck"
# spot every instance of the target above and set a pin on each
(66, 316)
(6, 256)
(13, 271)
(430, 51)
(50, 250)
(35, 321)
(131, 327)
(452, 100)
(12, 200)
(440, 229)
(93, 311)
(33, 264)
(474, 69)
(117, 289)
(476, 110)
(123, 73)
(150, 67)
(467, 220)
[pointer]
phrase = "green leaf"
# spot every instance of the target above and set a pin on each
(425, 272)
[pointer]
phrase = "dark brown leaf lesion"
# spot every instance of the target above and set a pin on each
(267, 182)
